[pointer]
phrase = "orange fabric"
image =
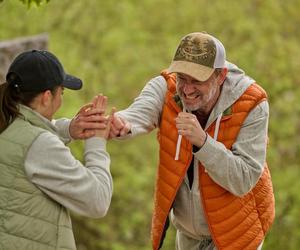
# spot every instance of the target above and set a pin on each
(234, 222)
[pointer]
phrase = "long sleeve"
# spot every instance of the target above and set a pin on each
(62, 125)
(144, 113)
(85, 190)
(239, 169)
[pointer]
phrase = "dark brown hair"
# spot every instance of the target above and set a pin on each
(10, 98)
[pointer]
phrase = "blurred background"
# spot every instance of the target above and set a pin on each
(117, 46)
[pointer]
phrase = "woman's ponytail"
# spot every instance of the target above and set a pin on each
(8, 105)
(10, 98)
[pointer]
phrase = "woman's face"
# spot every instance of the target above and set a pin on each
(55, 101)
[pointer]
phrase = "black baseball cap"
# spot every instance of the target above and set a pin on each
(39, 70)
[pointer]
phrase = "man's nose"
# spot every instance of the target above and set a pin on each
(188, 88)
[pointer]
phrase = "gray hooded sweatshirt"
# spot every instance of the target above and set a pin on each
(241, 166)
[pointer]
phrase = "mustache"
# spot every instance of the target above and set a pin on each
(196, 94)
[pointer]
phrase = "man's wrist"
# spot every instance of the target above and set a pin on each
(198, 147)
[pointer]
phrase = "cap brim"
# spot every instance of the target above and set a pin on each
(199, 72)
(72, 82)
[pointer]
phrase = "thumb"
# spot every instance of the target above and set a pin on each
(111, 116)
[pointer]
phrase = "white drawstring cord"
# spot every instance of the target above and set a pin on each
(216, 130)
(217, 127)
(178, 143)
(178, 147)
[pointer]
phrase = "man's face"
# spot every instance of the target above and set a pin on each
(197, 95)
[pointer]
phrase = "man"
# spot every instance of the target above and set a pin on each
(212, 177)
(40, 178)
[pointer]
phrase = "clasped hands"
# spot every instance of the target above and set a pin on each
(91, 120)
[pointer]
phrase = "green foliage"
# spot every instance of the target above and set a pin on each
(30, 2)
(116, 46)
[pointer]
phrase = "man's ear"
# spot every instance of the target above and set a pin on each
(223, 75)
(46, 98)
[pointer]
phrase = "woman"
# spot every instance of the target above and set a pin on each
(40, 180)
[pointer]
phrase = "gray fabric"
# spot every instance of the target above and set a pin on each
(85, 190)
(241, 167)
(184, 242)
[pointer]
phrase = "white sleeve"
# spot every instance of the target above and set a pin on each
(145, 112)
(62, 126)
(85, 190)
(238, 170)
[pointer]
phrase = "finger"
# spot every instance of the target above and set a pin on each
(101, 102)
(114, 130)
(182, 117)
(180, 126)
(185, 132)
(93, 118)
(179, 120)
(183, 128)
(95, 101)
(109, 122)
(98, 101)
(92, 125)
(186, 115)
(85, 107)
(117, 122)
(125, 129)
(112, 134)
(186, 120)
(94, 111)
(111, 116)
(104, 102)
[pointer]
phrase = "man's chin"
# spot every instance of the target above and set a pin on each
(191, 108)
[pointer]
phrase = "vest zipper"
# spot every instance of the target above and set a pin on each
(192, 207)
(206, 217)
(216, 132)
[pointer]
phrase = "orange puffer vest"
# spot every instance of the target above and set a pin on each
(234, 222)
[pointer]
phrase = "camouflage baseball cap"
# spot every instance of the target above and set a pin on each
(198, 55)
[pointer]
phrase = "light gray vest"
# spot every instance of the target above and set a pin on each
(29, 219)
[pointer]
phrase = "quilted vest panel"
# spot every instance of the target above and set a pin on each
(29, 219)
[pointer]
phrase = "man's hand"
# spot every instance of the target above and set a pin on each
(88, 119)
(119, 127)
(189, 127)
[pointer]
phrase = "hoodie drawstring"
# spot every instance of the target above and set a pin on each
(178, 143)
(178, 147)
(217, 126)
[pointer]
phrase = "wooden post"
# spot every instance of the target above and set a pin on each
(9, 49)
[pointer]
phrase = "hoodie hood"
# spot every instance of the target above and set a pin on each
(235, 84)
